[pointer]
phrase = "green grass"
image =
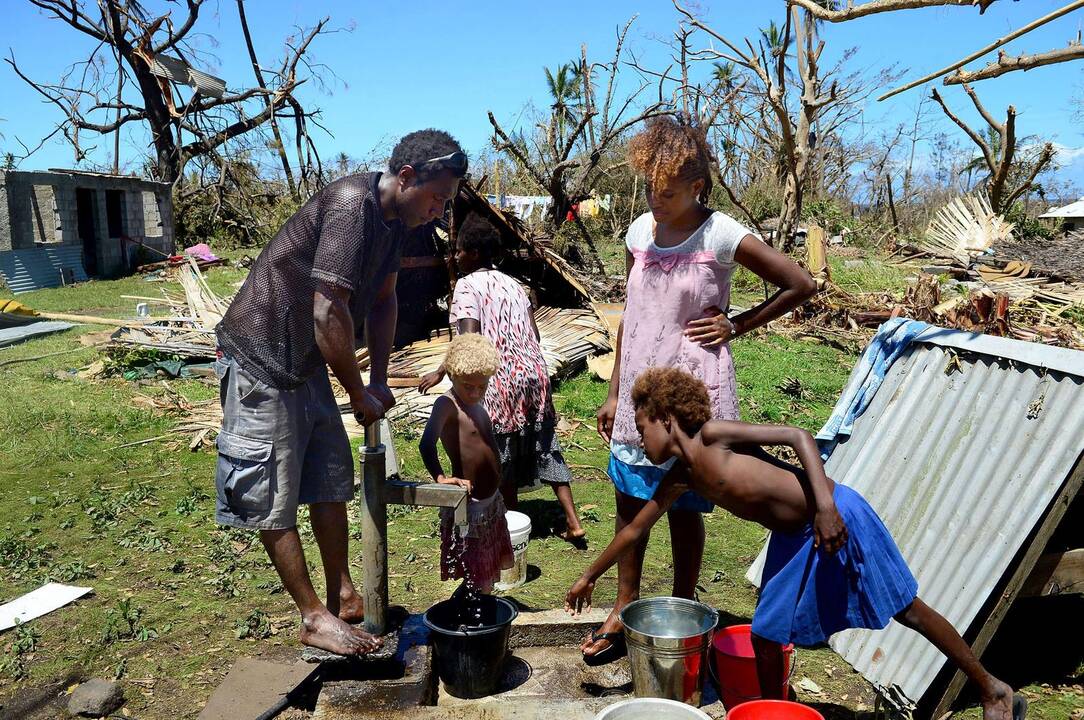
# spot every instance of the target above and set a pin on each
(177, 599)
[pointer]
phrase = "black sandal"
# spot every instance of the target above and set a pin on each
(1019, 707)
(615, 651)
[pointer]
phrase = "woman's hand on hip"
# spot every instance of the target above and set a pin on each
(713, 329)
(605, 418)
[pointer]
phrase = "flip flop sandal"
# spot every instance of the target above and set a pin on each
(616, 650)
(1019, 707)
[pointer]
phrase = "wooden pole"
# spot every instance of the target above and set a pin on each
(374, 531)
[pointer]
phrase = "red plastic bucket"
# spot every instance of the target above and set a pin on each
(773, 710)
(736, 668)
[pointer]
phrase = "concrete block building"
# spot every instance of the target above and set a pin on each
(62, 226)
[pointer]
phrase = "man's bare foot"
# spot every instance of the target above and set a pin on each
(327, 632)
(593, 644)
(997, 704)
(351, 608)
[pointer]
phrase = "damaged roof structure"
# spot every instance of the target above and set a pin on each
(971, 452)
(571, 327)
(64, 226)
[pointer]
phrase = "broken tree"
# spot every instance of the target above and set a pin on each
(566, 157)
(1010, 176)
(171, 98)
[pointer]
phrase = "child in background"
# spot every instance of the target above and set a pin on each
(831, 564)
(461, 424)
(519, 400)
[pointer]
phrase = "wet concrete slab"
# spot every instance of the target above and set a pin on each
(545, 677)
(553, 627)
(512, 709)
(533, 673)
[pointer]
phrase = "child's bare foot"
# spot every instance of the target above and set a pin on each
(351, 608)
(327, 632)
(997, 704)
(578, 538)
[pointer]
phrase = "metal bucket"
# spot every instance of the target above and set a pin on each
(651, 709)
(668, 640)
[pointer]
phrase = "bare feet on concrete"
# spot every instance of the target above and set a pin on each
(327, 632)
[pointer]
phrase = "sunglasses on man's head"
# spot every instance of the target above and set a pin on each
(456, 162)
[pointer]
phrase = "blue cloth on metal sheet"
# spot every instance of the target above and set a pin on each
(13, 335)
(892, 339)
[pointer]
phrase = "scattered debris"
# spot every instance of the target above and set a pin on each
(807, 685)
(190, 333)
(95, 698)
(568, 337)
(792, 387)
(964, 228)
(816, 256)
(44, 600)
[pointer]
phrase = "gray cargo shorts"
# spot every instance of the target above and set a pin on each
(277, 449)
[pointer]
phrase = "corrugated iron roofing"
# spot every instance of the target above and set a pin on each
(19, 333)
(1073, 209)
(960, 463)
(39, 267)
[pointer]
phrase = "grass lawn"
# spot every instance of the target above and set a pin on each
(177, 600)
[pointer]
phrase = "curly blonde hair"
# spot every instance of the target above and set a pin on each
(663, 392)
(471, 354)
(668, 150)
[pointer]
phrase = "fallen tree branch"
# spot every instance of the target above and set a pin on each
(1006, 64)
(1076, 4)
(873, 7)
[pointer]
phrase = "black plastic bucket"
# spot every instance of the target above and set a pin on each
(470, 661)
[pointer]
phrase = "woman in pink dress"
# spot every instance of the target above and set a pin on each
(518, 400)
(679, 258)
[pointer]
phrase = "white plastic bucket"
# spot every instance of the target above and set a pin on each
(519, 530)
(651, 709)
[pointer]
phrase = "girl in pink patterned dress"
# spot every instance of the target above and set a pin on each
(518, 400)
(679, 258)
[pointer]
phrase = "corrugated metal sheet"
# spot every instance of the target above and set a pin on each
(960, 466)
(14, 335)
(39, 267)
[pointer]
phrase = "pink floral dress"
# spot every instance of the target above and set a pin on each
(518, 399)
(667, 288)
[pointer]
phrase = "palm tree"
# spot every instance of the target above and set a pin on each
(564, 89)
(723, 74)
(978, 163)
(772, 37)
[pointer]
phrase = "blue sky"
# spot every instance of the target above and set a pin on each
(407, 65)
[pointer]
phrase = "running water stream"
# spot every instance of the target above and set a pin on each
(469, 599)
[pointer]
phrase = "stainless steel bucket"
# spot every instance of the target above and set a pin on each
(668, 639)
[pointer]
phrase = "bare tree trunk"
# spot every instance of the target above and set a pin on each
(892, 203)
(1000, 193)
